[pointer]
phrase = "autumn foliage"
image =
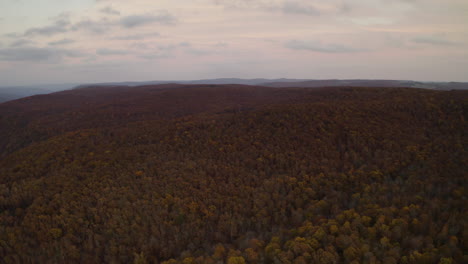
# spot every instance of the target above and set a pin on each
(234, 174)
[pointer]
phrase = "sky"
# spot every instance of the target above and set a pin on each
(86, 41)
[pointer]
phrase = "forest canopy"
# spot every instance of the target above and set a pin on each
(234, 174)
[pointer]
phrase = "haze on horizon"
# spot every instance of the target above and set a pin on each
(82, 41)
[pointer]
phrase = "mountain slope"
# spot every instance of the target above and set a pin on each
(234, 174)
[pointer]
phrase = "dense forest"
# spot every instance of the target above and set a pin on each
(234, 174)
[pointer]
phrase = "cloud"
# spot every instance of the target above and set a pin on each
(320, 47)
(21, 43)
(198, 52)
(72, 53)
(438, 41)
(59, 26)
(62, 24)
(110, 52)
(295, 7)
(61, 42)
(96, 27)
(372, 21)
(132, 21)
(185, 44)
(11, 35)
(221, 45)
(137, 36)
(104, 25)
(171, 47)
(345, 8)
(236, 3)
(154, 56)
(109, 11)
(37, 54)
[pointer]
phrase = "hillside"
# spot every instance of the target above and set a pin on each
(234, 174)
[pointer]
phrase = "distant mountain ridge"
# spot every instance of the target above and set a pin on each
(256, 81)
(372, 83)
(16, 92)
(284, 82)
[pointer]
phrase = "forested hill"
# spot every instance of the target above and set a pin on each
(234, 174)
(38, 117)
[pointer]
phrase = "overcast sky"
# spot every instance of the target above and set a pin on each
(62, 41)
